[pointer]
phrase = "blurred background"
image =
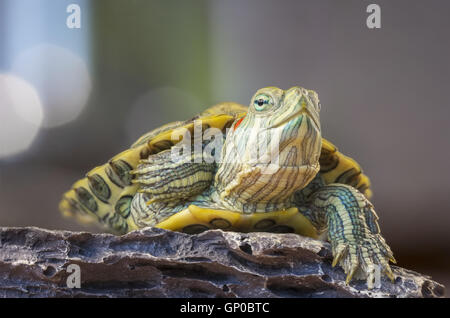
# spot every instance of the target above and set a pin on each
(71, 98)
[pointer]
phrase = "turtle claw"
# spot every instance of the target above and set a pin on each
(351, 273)
(392, 260)
(389, 274)
(341, 250)
(363, 258)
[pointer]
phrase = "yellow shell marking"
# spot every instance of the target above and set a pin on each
(336, 167)
(194, 215)
(86, 207)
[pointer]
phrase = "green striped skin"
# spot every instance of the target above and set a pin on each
(246, 181)
(164, 180)
(302, 172)
(105, 195)
(349, 222)
(353, 231)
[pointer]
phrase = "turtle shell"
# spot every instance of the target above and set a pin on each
(195, 219)
(104, 196)
(336, 167)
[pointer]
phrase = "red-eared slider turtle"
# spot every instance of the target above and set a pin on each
(261, 168)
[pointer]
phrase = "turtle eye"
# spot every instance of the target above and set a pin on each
(262, 102)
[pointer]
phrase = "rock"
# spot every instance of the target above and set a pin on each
(159, 263)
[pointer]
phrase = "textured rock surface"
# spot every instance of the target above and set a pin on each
(159, 263)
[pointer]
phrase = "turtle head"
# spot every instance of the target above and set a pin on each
(274, 150)
(289, 120)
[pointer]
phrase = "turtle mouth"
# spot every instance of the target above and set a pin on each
(271, 165)
(302, 112)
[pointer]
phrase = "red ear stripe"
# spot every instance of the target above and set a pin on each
(238, 123)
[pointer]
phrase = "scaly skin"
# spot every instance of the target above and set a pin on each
(309, 189)
(352, 228)
(240, 184)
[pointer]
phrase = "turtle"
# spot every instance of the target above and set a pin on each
(261, 168)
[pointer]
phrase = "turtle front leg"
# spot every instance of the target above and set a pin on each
(165, 184)
(353, 231)
(166, 179)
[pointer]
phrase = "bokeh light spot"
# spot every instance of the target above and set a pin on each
(21, 115)
(61, 78)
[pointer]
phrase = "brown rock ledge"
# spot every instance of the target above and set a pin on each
(159, 263)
